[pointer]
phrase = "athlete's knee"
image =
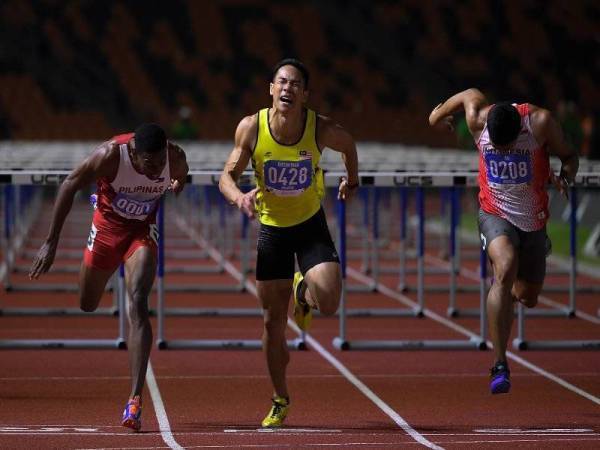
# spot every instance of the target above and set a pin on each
(504, 272)
(329, 307)
(526, 293)
(275, 320)
(88, 301)
(138, 308)
(529, 301)
(87, 306)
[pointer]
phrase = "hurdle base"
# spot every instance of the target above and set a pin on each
(220, 344)
(71, 344)
(471, 344)
(57, 312)
(522, 344)
(341, 344)
(211, 312)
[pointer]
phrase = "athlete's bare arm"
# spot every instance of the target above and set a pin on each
(178, 167)
(335, 137)
(245, 140)
(474, 104)
(548, 133)
(103, 162)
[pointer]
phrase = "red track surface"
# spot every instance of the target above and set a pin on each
(68, 399)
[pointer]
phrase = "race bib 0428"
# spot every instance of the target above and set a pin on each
(508, 169)
(288, 178)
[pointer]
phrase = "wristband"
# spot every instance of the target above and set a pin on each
(353, 185)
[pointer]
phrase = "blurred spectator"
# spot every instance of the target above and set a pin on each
(566, 113)
(184, 129)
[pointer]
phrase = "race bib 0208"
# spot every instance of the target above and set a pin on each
(287, 178)
(508, 169)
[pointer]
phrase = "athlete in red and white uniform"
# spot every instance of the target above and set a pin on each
(132, 172)
(125, 214)
(513, 183)
(514, 143)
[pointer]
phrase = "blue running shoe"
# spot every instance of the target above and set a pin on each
(500, 378)
(94, 201)
(132, 416)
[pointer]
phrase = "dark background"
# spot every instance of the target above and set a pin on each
(89, 69)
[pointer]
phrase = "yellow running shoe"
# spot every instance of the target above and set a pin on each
(302, 310)
(277, 414)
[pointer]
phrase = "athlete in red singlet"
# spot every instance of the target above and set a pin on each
(514, 143)
(132, 172)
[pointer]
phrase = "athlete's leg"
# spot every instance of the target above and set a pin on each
(275, 296)
(318, 260)
(526, 292)
(534, 248)
(140, 269)
(92, 283)
(322, 287)
(500, 299)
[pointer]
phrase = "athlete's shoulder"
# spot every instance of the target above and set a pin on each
(175, 150)
(246, 133)
(105, 158)
(540, 118)
(177, 158)
(325, 123)
(249, 121)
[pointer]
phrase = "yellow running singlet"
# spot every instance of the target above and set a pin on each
(289, 178)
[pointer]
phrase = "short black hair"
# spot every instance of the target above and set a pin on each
(150, 138)
(503, 123)
(297, 64)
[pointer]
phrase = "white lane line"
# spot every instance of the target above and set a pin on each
(159, 409)
(233, 271)
(366, 391)
(434, 316)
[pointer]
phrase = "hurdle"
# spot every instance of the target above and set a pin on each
(521, 342)
(206, 344)
(583, 179)
(420, 180)
(119, 342)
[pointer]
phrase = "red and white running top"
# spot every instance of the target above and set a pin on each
(513, 183)
(131, 195)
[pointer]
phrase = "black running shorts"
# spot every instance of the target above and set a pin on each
(532, 246)
(309, 241)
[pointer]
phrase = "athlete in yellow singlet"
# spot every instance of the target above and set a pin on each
(284, 143)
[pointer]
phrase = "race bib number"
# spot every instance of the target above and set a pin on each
(132, 208)
(288, 178)
(508, 169)
(92, 237)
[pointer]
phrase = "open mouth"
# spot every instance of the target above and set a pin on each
(285, 99)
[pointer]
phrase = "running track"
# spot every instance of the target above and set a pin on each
(72, 399)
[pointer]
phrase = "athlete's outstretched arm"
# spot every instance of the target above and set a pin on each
(472, 101)
(548, 133)
(334, 136)
(245, 140)
(99, 164)
(178, 166)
